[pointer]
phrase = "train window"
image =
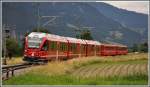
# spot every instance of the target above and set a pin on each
(85, 46)
(97, 48)
(45, 46)
(82, 48)
(73, 47)
(53, 45)
(105, 48)
(108, 48)
(92, 47)
(63, 46)
(34, 42)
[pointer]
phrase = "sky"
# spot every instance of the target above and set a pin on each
(138, 6)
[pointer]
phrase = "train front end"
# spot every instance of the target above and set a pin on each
(33, 47)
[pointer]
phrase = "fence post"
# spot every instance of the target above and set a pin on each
(7, 74)
(12, 72)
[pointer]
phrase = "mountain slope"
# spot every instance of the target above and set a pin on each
(137, 22)
(71, 15)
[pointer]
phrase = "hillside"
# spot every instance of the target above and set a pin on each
(71, 15)
(137, 22)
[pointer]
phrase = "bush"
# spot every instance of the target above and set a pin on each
(12, 47)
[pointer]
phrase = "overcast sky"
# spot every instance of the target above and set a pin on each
(138, 6)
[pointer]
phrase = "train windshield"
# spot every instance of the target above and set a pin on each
(34, 42)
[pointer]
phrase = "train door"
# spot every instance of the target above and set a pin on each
(92, 51)
(79, 50)
(97, 50)
(44, 50)
(63, 50)
(73, 50)
(52, 49)
(102, 50)
(88, 50)
(83, 50)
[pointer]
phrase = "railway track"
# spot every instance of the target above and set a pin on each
(8, 71)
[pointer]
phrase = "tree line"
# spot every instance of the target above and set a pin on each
(141, 47)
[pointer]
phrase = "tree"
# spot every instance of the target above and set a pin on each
(85, 35)
(135, 48)
(12, 47)
(144, 47)
(41, 29)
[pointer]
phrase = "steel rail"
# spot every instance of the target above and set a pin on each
(11, 69)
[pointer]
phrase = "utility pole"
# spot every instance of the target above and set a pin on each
(4, 45)
(52, 18)
(39, 18)
(88, 28)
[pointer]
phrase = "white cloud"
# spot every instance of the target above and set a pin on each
(138, 6)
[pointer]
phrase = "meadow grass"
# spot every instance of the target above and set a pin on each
(130, 58)
(15, 60)
(60, 72)
(41, 79)
(92, 60)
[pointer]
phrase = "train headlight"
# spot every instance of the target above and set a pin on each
(25, 50)
(32, 54)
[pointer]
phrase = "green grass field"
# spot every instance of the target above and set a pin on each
(128, 69)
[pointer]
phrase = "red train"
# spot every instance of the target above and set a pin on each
(44, 47)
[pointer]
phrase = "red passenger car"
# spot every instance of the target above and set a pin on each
(43, 47)
(108, 50)
(93, 48)
(76, 47)
(122, 50)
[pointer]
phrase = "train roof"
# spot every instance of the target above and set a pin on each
(106, 44)
(122, 45)
(118, 45)
(37, 34)
(75, 40)
(92, 42)
(97, 43)
(53, 37)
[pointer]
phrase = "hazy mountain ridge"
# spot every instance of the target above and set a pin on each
(137, 22)
(70, 15)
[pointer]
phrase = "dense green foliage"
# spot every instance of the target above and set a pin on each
(12, 47)
(143, 47)
(41, 29)
(86, 34)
